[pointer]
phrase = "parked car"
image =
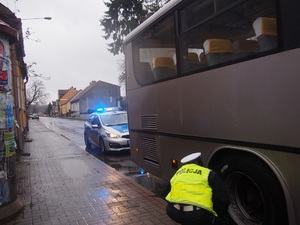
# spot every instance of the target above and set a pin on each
(35, 116)
(108, 129)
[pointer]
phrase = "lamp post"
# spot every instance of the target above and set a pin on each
(39, 18)
(28, 33)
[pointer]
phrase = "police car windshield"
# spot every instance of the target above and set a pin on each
(114, 119)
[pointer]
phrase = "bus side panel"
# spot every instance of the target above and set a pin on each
(254, 101)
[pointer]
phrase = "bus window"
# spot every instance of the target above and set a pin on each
(242, 48)
(235, 20)
(266, 33)
(193, 60)
(199, 11)
(155, 47)
(195, 12)
(144, 74)
(218, 51)
(163, 67)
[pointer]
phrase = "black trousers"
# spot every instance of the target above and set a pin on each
(196, 217)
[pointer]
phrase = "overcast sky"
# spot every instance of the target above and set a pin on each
(72, 50)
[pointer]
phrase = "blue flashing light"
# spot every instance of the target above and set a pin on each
(142, 171)
(109, 109)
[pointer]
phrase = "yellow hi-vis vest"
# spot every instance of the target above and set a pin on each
(190, 186)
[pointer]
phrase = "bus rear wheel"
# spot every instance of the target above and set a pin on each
(256, 197)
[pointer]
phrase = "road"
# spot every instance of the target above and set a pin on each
(73, 129)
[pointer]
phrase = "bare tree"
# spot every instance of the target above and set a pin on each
(36, 94)
(33, 73)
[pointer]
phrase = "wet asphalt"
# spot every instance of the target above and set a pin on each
(120, 161)
(60, 183)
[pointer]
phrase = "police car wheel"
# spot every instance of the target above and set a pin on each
(87, 141)
(255, 193)
(102, 145)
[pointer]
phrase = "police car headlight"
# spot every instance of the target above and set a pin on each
(112, 135)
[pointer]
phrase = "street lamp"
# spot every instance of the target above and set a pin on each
(35, 18)
(40, 18)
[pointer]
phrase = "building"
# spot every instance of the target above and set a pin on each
(73, 113)
(97, 94)
(13, 115)
(64, 102)
(61, 93)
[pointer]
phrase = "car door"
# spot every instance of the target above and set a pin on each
(95, 126)
(88, 127)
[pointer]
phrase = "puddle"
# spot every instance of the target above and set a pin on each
(75, 168)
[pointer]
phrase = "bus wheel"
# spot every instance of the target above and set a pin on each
(255, 194)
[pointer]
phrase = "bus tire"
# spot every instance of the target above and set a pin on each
(256, 196)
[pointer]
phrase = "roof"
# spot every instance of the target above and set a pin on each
(71, 99)
(8, 17)
(68, 95)
(90, 87)
(9, 24)
(71, 96)
(62, 93)
(9, 31)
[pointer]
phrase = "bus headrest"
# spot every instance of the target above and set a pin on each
(217, 46)
(266, 26)
(203, 59)
(240, 46)
(193, 57)
(145, 66)
(165, 62)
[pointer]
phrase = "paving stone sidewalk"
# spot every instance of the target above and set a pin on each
(60, 183)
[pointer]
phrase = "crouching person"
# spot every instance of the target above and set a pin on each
(198, 195)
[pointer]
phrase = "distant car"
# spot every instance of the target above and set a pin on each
(108, 129)
(35, 116)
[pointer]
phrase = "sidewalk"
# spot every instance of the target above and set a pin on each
(60, 183)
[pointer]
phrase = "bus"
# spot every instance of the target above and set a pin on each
(221, 77)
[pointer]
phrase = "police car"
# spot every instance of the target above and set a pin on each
(108, 129)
